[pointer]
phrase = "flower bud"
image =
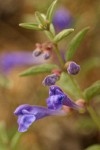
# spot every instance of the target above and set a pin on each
(50, 80)
(38, 50)
(73, 68)
(46, 54)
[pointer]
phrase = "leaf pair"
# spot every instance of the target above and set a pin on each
(42, 20)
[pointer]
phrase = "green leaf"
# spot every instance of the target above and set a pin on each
(93, 147)
(49, 35)
(50, 11)
(67, 84)
(88, 65)
(62, 35)
(92, 91)
(40, 18)
(52, 29)
(30, 26)
(75, 42)
(44, 68)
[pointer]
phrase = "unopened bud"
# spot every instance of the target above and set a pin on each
(73, 68)
(46, 54)
(50, 80)
(37, 52)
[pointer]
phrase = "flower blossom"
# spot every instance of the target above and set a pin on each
(27, 114)
(62, 19)
(10, 60)
(57, 98)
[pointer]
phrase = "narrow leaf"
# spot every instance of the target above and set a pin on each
(93, 147)
(62, 35)
(92, 91)
(49, 35)
(50, 11)
(30, 26)
(75, 42)
(87, 65)
(52, 29)
(40, 18)
(44, 68)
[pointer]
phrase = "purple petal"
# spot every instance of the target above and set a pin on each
(19, 110)
(27, 114)
(68, 102)
(25, 121)
(58, 98)
(55, 90)
(55, 101)
(16, 59)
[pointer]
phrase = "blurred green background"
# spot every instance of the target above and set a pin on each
(59, 133)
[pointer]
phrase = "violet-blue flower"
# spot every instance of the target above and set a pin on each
(17, 59)
(27, 114)
(57, 98)
(62, 19)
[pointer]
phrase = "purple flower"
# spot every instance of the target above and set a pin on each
(27, 114)
(57, 98)
(17, 59)
(62, 19)
(50, 80)
(73, 68)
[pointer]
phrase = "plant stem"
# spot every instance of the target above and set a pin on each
(51, 36)
(59, 55)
